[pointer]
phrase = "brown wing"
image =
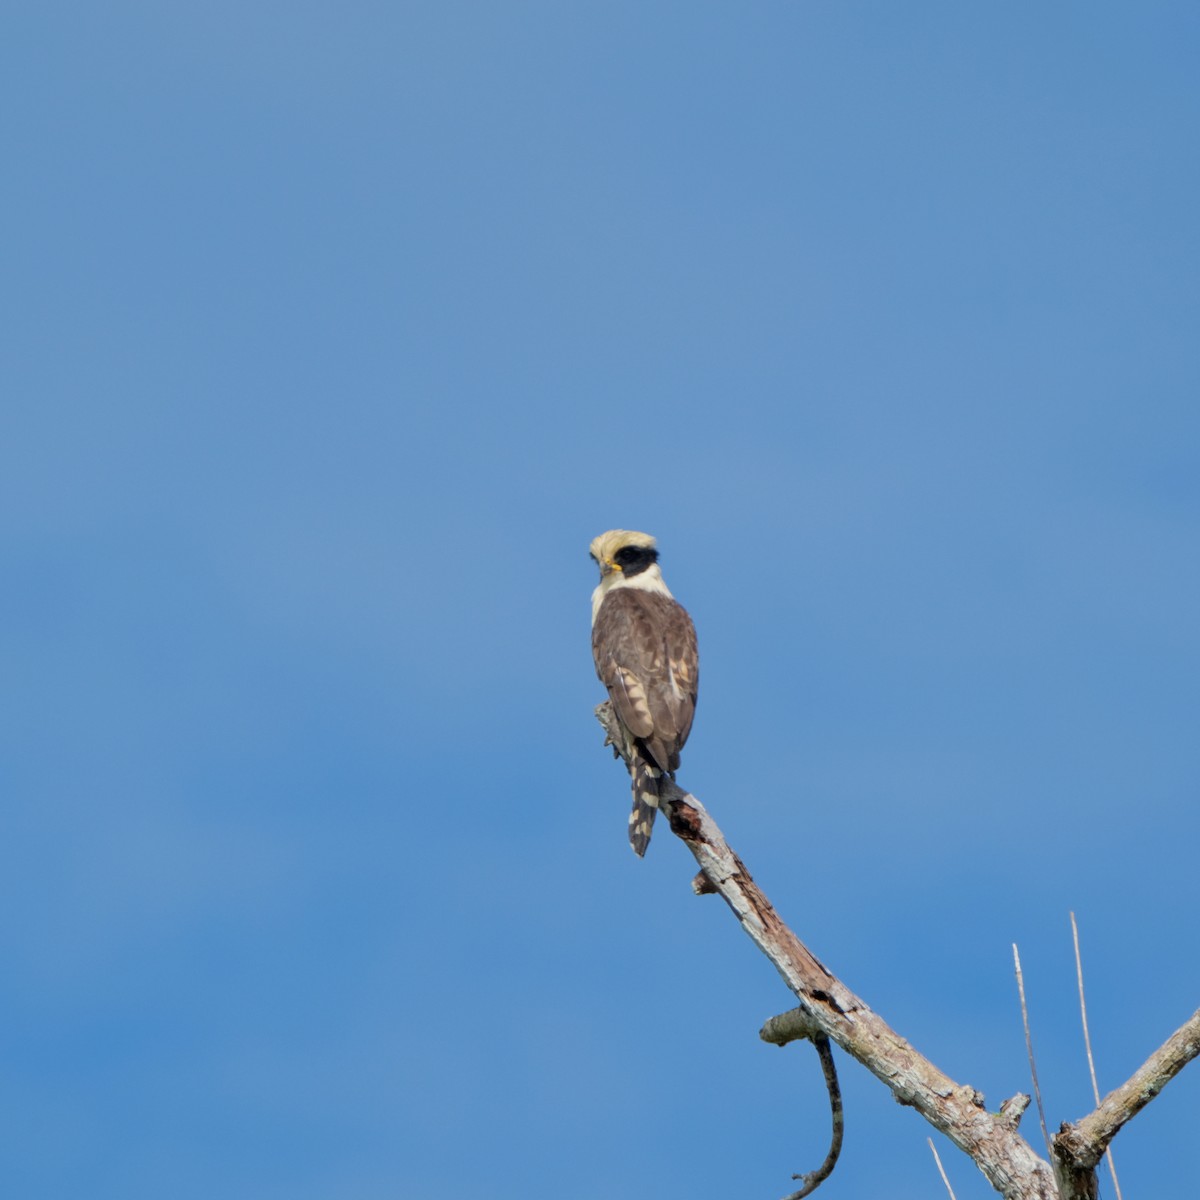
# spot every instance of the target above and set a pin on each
(645, 651)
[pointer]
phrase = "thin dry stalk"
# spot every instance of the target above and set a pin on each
(941, 1170)
(1087, 1041)
(1037, 1091)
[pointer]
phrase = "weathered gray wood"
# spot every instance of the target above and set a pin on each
(998, 1150)
(1080, 1146)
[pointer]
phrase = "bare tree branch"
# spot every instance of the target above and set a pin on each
(1011, 1166)
(991, 1139)
(1080, 1145)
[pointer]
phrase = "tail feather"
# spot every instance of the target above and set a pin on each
(646, 780)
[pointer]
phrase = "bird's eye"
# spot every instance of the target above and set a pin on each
(593, 558)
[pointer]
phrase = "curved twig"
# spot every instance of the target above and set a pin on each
(794, 1026)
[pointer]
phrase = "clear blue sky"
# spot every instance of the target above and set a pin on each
(331, 336)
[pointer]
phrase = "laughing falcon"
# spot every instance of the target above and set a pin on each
(645, 651)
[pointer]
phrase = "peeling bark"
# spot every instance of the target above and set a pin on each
(991, 1139)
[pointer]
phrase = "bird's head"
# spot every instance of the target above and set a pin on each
(624, 552)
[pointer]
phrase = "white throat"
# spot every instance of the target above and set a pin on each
(649, 580)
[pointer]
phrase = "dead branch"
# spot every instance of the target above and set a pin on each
(1079, 1146)
(991, 1139)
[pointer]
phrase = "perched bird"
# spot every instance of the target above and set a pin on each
(644, 645)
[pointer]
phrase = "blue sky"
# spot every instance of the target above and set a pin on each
(333, 334)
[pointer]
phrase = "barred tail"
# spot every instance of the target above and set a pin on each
(645, 804)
